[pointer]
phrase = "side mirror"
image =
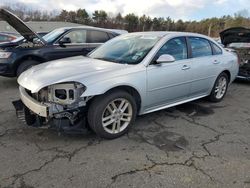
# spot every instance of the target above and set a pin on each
(165, 58)
(65, 40)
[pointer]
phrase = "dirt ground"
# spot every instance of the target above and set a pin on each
(199, 144)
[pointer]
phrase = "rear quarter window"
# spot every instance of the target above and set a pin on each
(216, 49)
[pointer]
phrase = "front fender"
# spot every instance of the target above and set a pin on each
(136, 81)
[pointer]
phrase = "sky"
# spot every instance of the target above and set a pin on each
(176, 9)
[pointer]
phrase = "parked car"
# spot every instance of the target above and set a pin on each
(18, 56)
(7, 37)
(130, 75)
(238, 39)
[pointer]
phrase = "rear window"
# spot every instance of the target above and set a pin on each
(97, 37)
(200, 47)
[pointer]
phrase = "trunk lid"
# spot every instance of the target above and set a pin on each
(235, 35)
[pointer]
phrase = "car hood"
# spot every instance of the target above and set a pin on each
(20, 26)
(235, 35)
(74, 69)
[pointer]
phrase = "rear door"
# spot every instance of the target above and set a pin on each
(204, 65)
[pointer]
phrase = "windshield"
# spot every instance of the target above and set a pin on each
(51, 36)
(126, 49)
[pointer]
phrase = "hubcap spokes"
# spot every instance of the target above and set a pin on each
(221, 88)
(117, 116)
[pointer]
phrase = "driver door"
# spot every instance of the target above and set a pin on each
(77, 45)
(168, 83)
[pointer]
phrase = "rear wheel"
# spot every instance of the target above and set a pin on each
(25, 66)
(110, 116)
(220, 88)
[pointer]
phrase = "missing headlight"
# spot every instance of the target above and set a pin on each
(71, 94)
(66, 93)
(61, 94)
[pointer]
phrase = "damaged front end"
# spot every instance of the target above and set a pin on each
(58, 106)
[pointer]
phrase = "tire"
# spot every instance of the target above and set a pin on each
(25, 65)
(118, 121)
(218, 94)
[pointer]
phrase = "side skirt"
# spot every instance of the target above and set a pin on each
(171, 105)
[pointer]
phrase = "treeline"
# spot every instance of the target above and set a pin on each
(132, 22)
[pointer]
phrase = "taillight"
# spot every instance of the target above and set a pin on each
(239, 62)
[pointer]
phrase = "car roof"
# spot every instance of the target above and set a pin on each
(174, 33)
(96, 28)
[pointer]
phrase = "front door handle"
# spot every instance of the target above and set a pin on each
(185, 67)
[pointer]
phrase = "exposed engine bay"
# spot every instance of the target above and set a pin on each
(28, 44)
(66, 107)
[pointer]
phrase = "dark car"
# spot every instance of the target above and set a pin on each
(238, 39)
(7, 37)
(18, 56)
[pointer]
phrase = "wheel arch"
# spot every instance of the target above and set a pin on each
(227, 72)
(127, 88)
(28, 57)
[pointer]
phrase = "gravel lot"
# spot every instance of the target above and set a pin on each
(199, 144)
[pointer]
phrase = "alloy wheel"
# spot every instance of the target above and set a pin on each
(117, 116)
(221, 87)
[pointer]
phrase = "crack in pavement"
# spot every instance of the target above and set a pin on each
(215, 139)
(60, 155)
(5, 132)
(188, 163)
(193, 121)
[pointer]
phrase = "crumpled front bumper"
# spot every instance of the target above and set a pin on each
(37, 114)
(35, 106)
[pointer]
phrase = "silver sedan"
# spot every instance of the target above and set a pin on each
(130, 75)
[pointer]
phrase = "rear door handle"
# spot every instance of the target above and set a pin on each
(185, 67)
(216, 62)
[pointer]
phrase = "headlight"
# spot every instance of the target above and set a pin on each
(5, 55)
(65, 93)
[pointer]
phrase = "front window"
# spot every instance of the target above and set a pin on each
(53, 35)
(77, 36)
(126, 49)
(176, 47)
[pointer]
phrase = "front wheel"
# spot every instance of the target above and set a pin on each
(220, 88)
(111, 115)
